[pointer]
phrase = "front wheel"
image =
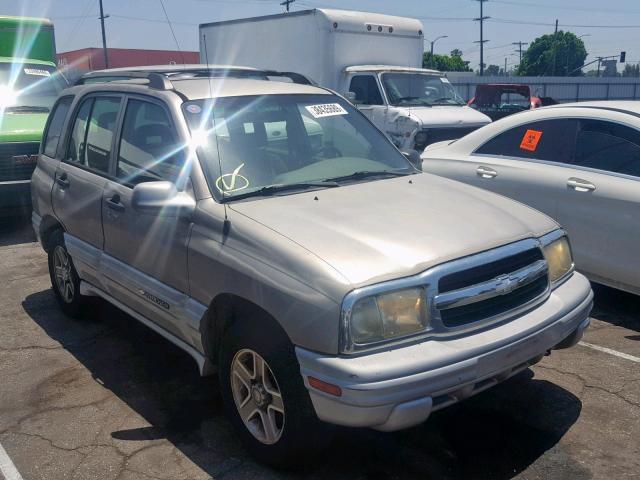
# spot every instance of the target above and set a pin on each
(266, 400)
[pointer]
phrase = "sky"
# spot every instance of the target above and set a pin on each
(607, 27)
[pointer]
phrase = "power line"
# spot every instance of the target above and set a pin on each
(544, 24)
(172, 32)
(286, 3)
(520, 44)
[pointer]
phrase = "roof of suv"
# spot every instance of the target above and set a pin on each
(198, 88)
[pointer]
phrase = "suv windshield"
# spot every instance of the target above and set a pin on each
(281, 143)
(25, 86)
(419, 89)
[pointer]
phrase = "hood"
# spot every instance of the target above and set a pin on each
(445, 116)
(22, 127)
(391, 228)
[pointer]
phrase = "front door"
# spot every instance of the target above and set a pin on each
(146, 254)
(368, 98)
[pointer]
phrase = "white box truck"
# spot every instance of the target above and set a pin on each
(373, 59)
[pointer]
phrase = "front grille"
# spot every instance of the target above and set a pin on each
(441, 134)
(496, 306)
(12, 168)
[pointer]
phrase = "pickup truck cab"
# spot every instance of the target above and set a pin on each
(280, 239)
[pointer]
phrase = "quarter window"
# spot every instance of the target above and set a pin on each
(550, 140)
(52, 136)
(366, 89)
(608, 146)
(149, 147)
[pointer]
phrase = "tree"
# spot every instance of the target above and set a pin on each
(492, 70)
(631, 70)
(446, 63)
(560, 54)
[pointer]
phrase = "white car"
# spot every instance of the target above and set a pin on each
(579, 163)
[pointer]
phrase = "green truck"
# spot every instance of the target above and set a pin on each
(29, 85)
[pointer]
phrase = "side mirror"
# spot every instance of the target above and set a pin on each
(414, 158)
(351, 96)
(162, 199)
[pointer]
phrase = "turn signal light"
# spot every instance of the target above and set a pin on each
(325, 387)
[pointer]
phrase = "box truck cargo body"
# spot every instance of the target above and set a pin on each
(371, 58)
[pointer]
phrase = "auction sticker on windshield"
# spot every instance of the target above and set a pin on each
(326, 110)
(530, 140)
(37, 71)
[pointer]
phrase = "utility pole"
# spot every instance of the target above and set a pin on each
(482, 41)
(599, 62)
(505, 66)
(286, 3)
(104, 37)
(432, 63)
(556, 27)
(520, 45)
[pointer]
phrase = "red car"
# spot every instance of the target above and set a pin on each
(497, 100)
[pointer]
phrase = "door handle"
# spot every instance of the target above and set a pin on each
(486, 172)
(114, 203)
(580, 185)
(63, 181)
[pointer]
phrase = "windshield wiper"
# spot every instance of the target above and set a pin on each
(27, 108)
(439, 101)
(273, 189)
(368, 174)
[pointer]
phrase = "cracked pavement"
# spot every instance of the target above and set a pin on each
(106, 398)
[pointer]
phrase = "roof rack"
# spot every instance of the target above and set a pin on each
(161, 79)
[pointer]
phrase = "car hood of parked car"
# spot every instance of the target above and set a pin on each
(390, 228)
(445, 116)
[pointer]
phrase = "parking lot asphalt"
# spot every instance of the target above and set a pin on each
(106, 398)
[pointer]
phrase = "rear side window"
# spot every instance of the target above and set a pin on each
(550, 140)
(149, 147)
(75, 151)
(366, 89)
(52, 137)
(608, 146)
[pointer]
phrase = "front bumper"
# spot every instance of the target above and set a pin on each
(400, 387)
(15, 197)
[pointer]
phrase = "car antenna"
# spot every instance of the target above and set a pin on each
(227, 224)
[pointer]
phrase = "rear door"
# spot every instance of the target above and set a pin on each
(600, 206)
(81, 176)
(526, 163)
(146, 254)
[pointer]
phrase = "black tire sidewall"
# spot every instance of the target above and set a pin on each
(303, 435)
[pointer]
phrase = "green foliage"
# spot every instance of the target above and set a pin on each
(492, 70)
(446, 63)
(560, 54)
(631, 70)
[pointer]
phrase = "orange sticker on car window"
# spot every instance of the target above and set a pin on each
(530, 140)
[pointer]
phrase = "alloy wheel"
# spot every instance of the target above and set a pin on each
(257, 396)
(62, 273)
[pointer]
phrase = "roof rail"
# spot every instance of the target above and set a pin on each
(161, 79)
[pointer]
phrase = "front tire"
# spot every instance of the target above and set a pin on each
(265, 398)
(64, 278)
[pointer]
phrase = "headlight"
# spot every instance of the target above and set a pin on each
(387, 316)
(559, 259)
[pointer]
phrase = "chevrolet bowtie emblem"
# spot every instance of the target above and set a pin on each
(506, 284)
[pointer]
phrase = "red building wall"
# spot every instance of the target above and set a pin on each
(93, 58)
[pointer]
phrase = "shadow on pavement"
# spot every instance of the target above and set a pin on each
(16, 230)
(496, 434)
(616, 307)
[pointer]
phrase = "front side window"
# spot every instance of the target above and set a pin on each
(416, 89)
(608, 146)
(251, 142)
(54, 130)
(75, 150)
(366, 90)
(550, 140)
(149, 149)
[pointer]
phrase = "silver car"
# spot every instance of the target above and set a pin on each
(270, 231)
(578, 163)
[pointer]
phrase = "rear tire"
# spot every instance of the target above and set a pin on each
(64, 278)
(265, 398)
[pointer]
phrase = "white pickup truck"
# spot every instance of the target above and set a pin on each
(372, 59)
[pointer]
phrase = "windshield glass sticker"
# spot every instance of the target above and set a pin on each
(326, 110)
(232, 182)
(193, 108)
(530, 140)
(37, 71)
